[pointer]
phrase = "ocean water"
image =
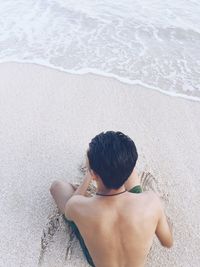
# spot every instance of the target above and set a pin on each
(149, 42)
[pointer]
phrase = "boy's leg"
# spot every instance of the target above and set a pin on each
(61, 192)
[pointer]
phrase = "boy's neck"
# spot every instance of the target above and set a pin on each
(101, 189)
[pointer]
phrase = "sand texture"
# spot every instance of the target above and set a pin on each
(47, 118)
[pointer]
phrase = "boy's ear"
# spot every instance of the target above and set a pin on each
(93, 174)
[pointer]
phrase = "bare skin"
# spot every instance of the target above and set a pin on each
(118, 230)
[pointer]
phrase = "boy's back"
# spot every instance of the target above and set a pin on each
(118, 231)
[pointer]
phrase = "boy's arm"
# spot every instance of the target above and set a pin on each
(74, 203)
(81, 190)
(163, 231)
(73, 207)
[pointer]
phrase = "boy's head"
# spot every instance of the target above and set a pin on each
(112, 156)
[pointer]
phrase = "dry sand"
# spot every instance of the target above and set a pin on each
(47, 118)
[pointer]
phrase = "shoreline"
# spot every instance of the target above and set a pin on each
(92, 71)
(47, 119)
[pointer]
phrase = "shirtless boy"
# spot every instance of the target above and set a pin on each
(116, 227)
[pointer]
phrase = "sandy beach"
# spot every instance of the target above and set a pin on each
(47, 119)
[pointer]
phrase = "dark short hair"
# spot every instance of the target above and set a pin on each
(112, 156)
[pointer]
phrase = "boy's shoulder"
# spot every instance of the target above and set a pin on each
(151, 195)
(151, 200)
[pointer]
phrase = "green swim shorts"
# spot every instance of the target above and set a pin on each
(135, 189)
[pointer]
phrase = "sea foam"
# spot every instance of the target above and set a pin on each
(149, 42)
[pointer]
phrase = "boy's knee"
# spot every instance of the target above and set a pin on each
(54, 186)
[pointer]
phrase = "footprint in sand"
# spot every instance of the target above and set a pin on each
(149, 182)
(48, 232)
